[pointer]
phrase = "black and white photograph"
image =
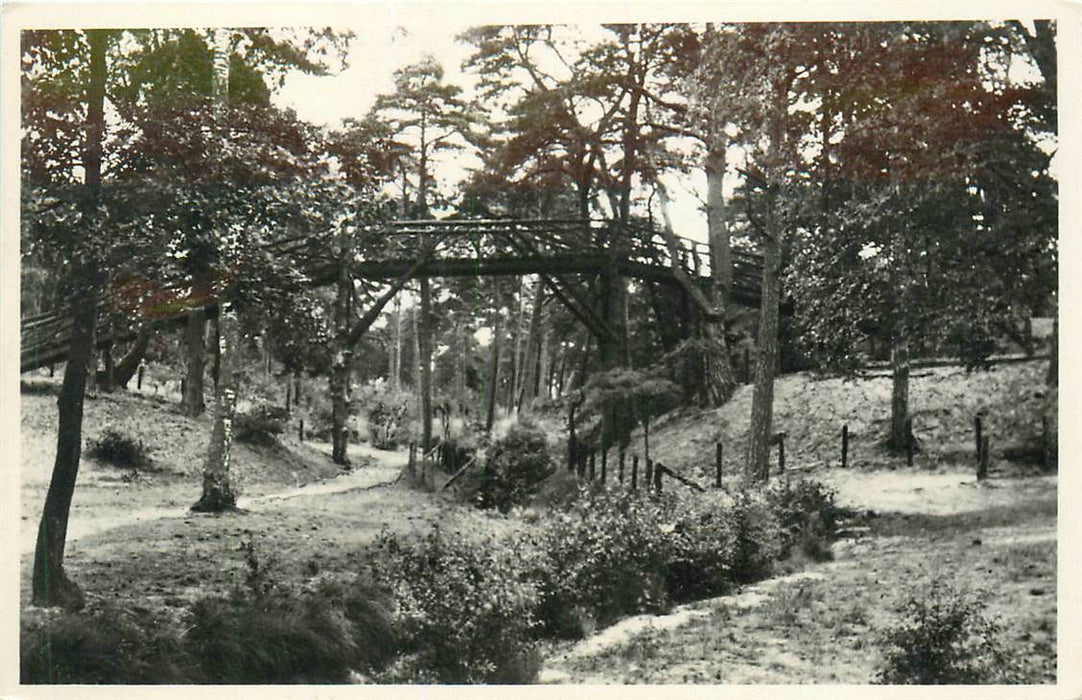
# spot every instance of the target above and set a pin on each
(455, 345)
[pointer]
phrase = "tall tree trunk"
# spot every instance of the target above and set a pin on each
(462, 341)
(50, 584)
(544, 367)
(416, 347)
(107, 383)
(424, 327)
(396, 355)
(899, 342)
(528, 389)
(339, 377)
(195, 331)
(217, 487)
(494, 361)
(719, 382)
(766, 350)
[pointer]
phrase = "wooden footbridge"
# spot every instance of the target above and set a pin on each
(561, 252)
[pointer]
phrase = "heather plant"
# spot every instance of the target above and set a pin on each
(806, 514)
(120, 450)
(465, 611)
(943, 636)
(515, 467)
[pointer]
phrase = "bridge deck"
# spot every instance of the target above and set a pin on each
(464, 248)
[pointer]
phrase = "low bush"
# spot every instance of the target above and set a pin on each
(105, 646)
(464, 609)
(943, 637)
(120, 450)
(604, 558)
(260, 426)
(515, 468)
(806, 514)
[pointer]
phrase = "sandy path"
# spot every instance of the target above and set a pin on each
(384, 469)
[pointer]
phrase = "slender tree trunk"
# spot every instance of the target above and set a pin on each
(50, 584)
(416, 348)
(339, 378)
(217, 487)
(899, 343)
(530, 366)
(494, 361)
(462, 341)
(396, 355)
(107, 383)
(194, 333)
(424, 327)
(544, 367)
(766, 350)
(719, 382)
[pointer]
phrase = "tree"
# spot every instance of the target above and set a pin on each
(51, 585)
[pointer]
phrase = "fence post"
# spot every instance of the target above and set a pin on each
(845, 446)
(604, 465)
(718, 454)
(982, 465)
(300, 430)
(139, 381)
(621, 472)
(781, 453)
(649, 473)
(747, 366)
(658, 471)
(634, 472)
(909, 441)
(977, 429)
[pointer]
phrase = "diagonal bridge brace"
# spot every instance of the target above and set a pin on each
(568, 295)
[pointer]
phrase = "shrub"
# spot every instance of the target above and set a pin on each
(465, 610)
(756, 538)
(943, 637)
(806, 515)
(605, 558)
(120, 450)
(704, 543)
(516, 466)
(260, 426)
(110, 645)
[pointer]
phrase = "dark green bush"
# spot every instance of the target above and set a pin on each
(807, 516)
(515, 468)
(260, 426)
(120, 450)
(465, 611)
(110, 645)
(604, 558)
(943, 637)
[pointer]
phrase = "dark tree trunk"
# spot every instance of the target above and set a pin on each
(194, 334)
(766, 350)
(899, 342)
(50, 584)
(424, 329)
(494, 362)
(339, 379)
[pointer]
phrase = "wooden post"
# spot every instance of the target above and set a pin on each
(593, 464)
(634, 472)
(300, 431)
(909, 441)
(781, 453)
(718, 455)
(621, 471)
(977, 429)
(139, 380)
(604, 465)
(183, 388)
(52, 369)
(571, 449)
(982, 466)
(413, 460)
(658, 471)
(845, 446)
(649, 473)
(289, 396)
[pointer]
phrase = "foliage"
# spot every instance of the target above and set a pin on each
(260, 426)
(515, 467)
(943, 637)
(119, 449)
(806, 515)
(604, 558)
(109, 645)
(388, 412)
(464, 608)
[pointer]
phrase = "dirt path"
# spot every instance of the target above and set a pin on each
(381, 468)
